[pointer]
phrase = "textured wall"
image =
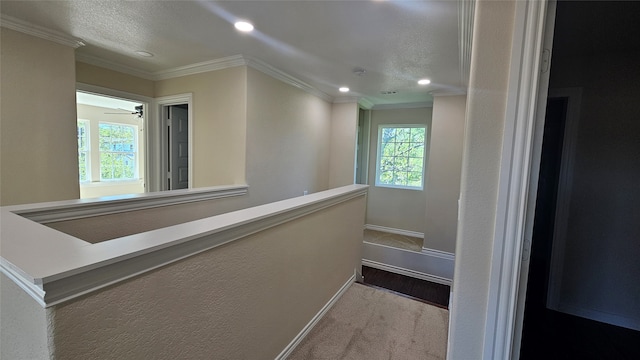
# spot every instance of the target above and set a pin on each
(98, 76)
(23, 321)
(344, 124)
(443, 173)
(395, 208)
(288, 140)
(38, 120)
(245, 300)
(219, 123)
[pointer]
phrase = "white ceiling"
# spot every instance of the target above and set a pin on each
(319, 43)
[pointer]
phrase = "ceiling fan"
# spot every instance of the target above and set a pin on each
(128, 112)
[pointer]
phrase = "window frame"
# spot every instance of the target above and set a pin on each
(87, 152)
(136, 152)
(377, 182)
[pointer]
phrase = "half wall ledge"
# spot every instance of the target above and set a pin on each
(53, 267)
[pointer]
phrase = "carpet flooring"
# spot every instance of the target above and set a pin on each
(394, 240)
(370, 323)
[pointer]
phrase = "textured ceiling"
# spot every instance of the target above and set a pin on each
(317, 42)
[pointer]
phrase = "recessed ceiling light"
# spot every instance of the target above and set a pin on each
(424, 81)
(243, 26)
(344, 89)
(144, 53)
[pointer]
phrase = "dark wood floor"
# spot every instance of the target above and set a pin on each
(426, 291)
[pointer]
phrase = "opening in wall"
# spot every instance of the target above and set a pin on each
(111, 145)
(176, 162)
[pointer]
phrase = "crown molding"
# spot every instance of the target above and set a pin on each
(417, 105)
(345, 99)
(466, 10)
(365, 103)
(286, 78)
(206, 66)
(25, 27)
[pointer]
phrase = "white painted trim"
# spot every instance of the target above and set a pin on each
(406, 272)
(563, 197)
(205, 66)
(286, 78)
(365, 103)
(394, 231)
(314, 321)
(439, 254)
(345, 100)
(514, 179)
(161, 159)
(44, 214)
(28, 28)
(466, 11)
(423, 265)
(417, 105)
(538, 135)
(79, 268)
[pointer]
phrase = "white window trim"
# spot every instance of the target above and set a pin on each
(424, 156)
(87, 127)
(136, 170)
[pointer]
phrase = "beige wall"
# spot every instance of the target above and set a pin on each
(38, 120)
(288, 140)
(219, 123)
(395, 208)
(23, 322)
(98, 76)
(443, 172)
(244, 300)
(344, 125)
(486, 106)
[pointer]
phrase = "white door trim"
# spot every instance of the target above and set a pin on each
(162, 159)
(514, 178)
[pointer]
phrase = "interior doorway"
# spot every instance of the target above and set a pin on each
(174, 166)
(587, 307)
(177, 117)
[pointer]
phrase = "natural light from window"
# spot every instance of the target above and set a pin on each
(401, 153)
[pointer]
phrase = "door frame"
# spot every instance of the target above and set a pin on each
(518, 177)
(161, 161)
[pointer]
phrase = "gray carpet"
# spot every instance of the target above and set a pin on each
(368, 323)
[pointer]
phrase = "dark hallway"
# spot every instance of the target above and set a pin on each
(596, 49)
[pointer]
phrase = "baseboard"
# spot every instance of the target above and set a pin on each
(305, 331)
(394, 231)
(430, 265)
(406, 272)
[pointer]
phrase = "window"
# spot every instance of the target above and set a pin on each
(117, 151)
(114, 148)
(83, 151)
(401, 153)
